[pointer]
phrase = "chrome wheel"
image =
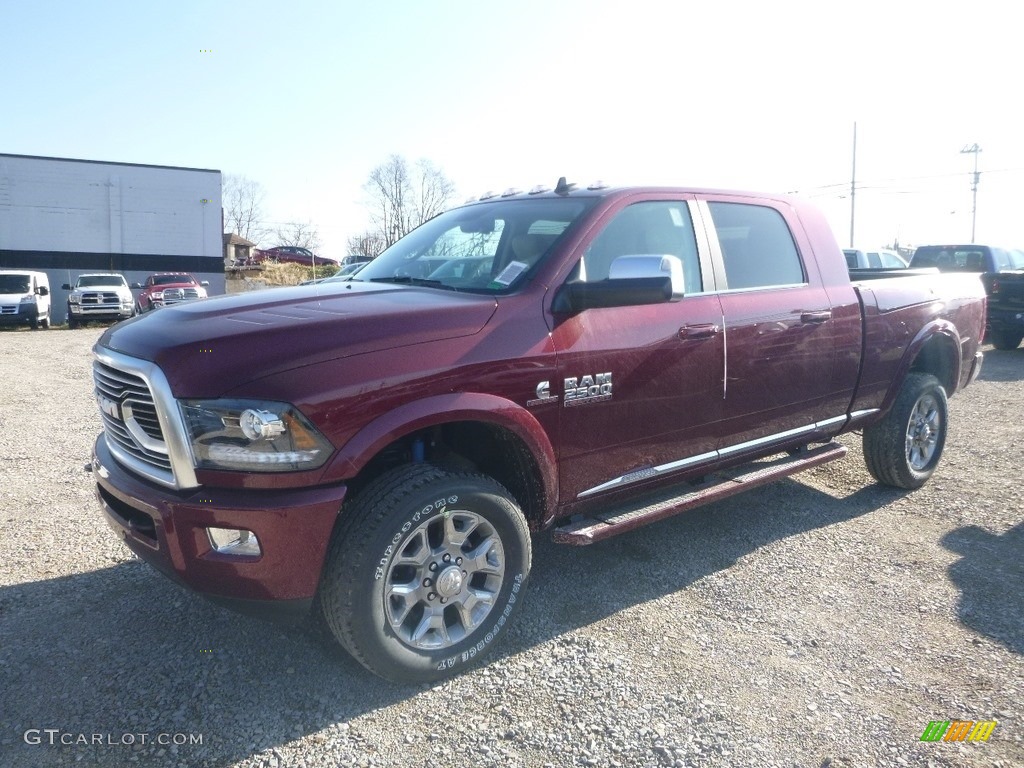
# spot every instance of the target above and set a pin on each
(444, 581)
(923, 432)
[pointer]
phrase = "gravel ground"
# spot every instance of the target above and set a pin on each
(822, 621)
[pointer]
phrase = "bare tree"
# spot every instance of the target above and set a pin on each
(242, 199)
(435, 191)
(304, 234)
(368, 244)
(400, 198)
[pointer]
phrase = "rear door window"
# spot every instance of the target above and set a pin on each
(757, 247)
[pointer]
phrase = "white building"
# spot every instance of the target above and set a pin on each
(68, 217)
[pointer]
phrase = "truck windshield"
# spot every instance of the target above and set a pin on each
(94, 281)
(483, 248)
(14, 284)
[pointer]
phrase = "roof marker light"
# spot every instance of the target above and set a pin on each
(511, 191)
(539, 188)
(598, 185)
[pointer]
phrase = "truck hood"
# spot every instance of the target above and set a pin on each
(208, 347)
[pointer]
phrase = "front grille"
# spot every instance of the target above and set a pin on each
(129, 415)
(174, 295)
(100, 298)
(8, 309)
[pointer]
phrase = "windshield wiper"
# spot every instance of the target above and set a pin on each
(410, 280)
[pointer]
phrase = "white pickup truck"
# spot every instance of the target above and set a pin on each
(101, 296)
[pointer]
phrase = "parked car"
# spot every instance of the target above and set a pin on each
(381, 454)
(1002, 274)
(293, 254)
(166, 288)
(99, 296)
(24, 298)
(878, 258)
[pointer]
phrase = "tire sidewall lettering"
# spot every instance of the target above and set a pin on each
(438, 506)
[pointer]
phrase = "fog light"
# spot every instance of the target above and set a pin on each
(230, 541)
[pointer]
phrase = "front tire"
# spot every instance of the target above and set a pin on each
(904, 448)
(425, 572)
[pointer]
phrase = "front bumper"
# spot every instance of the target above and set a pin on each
(22, 314)
(167, 529)
(81, 312)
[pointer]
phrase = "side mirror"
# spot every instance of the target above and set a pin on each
(650, 265)
(204, 283)
(137, 285)
(66, 286)
(623, 292)
(42, 290)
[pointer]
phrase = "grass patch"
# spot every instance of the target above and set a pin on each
(293, 274)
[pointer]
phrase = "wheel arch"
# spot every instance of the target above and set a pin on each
(935, 350)
(494, 435)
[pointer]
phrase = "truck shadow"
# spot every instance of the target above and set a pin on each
(990, 577)
(122, 650)
(590, 583)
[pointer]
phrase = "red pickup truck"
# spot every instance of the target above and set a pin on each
(166, 288)
(377, 452)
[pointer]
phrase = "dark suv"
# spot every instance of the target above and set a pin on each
(1002, 274)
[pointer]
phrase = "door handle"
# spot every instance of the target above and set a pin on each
(816, 317)
(705, 331)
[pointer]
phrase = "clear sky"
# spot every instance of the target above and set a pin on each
(307, 97)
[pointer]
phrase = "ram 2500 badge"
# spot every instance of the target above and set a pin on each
(378, 452)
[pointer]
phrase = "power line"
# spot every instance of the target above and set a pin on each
(864, 185)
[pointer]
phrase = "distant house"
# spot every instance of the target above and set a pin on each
(237, 250)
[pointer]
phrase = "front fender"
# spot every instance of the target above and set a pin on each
(441, 409)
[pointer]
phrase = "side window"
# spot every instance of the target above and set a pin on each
(656, 227)
(757, 247)
(874, 260)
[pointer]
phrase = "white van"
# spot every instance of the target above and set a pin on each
(24, 298)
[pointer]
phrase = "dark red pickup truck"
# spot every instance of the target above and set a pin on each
(377, 452)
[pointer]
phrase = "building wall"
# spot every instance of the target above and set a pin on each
(69, 217)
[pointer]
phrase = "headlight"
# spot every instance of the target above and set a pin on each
(157, 295)
(74, 298)
(252, 435)
(28, 299)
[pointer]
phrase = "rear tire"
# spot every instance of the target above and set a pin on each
(424, 573)
(904, 448)
(1006, 340)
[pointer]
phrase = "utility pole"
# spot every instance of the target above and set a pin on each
(973, 149)
(853, 181)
